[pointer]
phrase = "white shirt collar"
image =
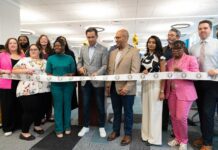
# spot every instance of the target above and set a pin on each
(206, 40)
(94, 46)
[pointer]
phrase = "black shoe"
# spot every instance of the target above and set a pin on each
(43, 121)
(30, 138)
(149, 144)
(191, 123)
(172, 134)
(50, 119)
(39, 131)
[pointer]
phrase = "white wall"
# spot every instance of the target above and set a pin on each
(9, 19)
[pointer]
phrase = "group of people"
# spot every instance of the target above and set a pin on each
(160, 99)
(26, 102)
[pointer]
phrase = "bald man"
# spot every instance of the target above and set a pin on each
(123, 60)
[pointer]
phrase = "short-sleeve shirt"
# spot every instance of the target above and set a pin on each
(60, 65)
(26, 88)
(150, 62)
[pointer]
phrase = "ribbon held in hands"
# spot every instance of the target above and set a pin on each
(120, 77)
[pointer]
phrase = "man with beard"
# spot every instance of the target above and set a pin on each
(93, 61)
(123, 60)
(24, 43)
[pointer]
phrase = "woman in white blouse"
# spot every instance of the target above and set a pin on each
(31, 93)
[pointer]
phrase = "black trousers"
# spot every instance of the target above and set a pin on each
(11, 110)
(32, 111)
(47, 105)
(74, 103)
(165, 116)
(207, 101)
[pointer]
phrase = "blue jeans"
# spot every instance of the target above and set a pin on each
(88, 90)
(118, 102)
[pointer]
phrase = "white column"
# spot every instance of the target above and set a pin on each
(9, 19)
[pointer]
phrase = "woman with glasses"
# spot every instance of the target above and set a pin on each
(30, 93)
(180, 93)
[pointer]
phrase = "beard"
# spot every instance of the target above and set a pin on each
(119, 46)
(170, 41)
(24, 46)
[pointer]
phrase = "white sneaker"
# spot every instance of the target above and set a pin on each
(67, 132)
(102, 132)
(183, 146)
(174, 142)
(8, 133)
(60, 135)
(83, 131)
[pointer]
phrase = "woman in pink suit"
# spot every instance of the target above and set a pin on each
(11, 109)
(180, 93)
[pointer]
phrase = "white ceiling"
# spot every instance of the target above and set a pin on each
(143, 17)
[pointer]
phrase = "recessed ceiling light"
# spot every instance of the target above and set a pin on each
(26, 32)
(105, 28)
(116, 22)
(99, 29)
(180, 25)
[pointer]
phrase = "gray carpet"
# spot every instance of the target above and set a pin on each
(137, 143)
(51, 142)
(92, 140)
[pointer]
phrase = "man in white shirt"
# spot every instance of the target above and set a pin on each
(206, 52)
(123, 60)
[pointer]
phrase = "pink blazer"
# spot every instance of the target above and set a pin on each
(185, 89)
(5, 64)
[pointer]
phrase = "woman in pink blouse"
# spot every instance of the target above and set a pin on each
(11, 113)
(180, 93)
